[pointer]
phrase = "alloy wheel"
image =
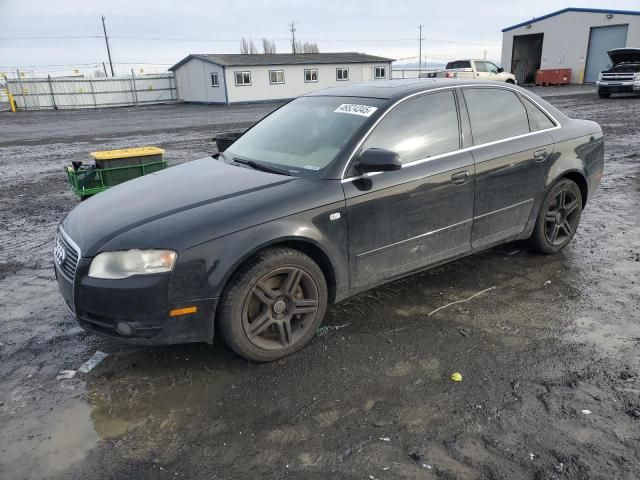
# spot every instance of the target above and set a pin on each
(562, 217)
(280, 308)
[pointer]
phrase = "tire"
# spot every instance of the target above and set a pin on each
(604, 95)
(510, 82)
(558, 218)
(257, 316)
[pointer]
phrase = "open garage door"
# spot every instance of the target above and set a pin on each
(525, 57)
(601, 40)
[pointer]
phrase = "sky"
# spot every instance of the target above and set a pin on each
(58, 36)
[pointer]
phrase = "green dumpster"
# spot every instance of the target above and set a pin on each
(113, 167)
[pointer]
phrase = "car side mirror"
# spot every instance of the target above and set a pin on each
(500, 69)
(378, 160)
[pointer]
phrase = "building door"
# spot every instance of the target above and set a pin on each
(526, 56)
(601, 40)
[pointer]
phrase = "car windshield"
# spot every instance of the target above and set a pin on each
(305, 135)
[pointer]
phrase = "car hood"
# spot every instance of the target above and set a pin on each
(186, 205)
(624, 55)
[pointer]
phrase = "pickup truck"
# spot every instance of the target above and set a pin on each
(472, 69)
(623, 75)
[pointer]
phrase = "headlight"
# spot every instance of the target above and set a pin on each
(600, 76)
(127, 263)
(636, 76)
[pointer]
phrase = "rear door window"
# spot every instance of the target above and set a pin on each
(495, 114)
(538, 120)
(419, 128)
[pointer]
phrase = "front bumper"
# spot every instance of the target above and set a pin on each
(618, 87)
(142, 302)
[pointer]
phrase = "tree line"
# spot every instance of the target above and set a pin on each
(248, 47)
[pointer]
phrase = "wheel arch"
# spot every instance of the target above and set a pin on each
(580, 180)
(306, 245)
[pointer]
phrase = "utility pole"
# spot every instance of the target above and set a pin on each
(485, 55)
(420, 48)
(106, 39)
(292, 29)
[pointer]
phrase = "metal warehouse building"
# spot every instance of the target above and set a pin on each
(575, 38)
(240, 78)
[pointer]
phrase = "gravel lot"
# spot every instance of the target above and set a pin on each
(558, 337)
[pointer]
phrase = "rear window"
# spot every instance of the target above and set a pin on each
(459, 64)
(538, 120)
(495, 114)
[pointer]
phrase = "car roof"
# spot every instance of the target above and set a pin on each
(395, 89)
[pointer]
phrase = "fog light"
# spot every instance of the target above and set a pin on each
(123, 328)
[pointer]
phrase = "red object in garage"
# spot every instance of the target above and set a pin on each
(559, 76)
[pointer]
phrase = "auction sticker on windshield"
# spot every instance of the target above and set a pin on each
(354, 109)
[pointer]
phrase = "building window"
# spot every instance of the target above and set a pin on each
(342, 74)
(214, 80)
(243, 78)
(310, 74)
(276, 76)
(381, 72)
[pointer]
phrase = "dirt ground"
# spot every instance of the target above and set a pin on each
(549, 357)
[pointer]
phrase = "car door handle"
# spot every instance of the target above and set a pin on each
(540, 155)
(460, 177)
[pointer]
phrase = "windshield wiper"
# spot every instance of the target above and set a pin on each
(260, 166)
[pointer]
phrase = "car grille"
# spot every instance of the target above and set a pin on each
(66, 255)
(618, 77)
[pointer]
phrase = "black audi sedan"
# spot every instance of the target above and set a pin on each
(334, 193)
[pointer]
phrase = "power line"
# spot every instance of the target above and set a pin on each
(233, 40)
(54, 37)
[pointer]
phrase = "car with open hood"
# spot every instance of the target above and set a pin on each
(623, 75)
(336, 192)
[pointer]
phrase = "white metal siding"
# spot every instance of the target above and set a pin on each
(194, 82)
(294, 83)
(566, 39)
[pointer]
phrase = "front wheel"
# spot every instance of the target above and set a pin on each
(558, 218)
(273, 305)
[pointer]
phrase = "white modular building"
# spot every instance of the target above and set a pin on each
(240, 78)
(572, 38)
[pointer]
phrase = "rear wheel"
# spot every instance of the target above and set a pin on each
(604, 95)
(273, 305)
(558, 218)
